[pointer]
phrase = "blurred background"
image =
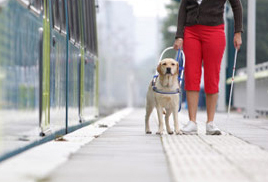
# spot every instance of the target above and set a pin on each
(133, 33)
(130, 40)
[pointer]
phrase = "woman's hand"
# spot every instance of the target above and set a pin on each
(237, 40)
(178, 44)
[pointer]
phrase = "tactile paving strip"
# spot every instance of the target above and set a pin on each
(225, 158)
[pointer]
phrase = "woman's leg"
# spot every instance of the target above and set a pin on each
(192, 100)
(193, 68)
(212, 48)
(211, 101)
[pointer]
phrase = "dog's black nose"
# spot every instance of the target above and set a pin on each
(168, 70)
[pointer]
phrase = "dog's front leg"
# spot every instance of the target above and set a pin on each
(176, 122)
(149, 109)
(160, 120)
(168, 112)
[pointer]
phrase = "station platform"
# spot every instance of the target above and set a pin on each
(116, 149)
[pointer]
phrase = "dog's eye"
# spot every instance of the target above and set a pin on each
(164, 64)
(172, 64)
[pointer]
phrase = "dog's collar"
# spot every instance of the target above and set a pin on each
(155, 89)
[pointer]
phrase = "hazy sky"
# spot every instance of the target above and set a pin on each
(147, 8)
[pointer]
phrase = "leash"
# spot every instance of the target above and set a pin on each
(181, 61)
(180, 58)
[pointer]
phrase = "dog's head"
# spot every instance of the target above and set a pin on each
(168, 66)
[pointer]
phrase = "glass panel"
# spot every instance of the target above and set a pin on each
(36, 3)
(73, 18)
(74, 74)
(56, 14)
(58, 83)
(76, 20)
(70, 17)
(90, 27)
(62, 15)
(19, 77)
(86, 25)
(89, 87)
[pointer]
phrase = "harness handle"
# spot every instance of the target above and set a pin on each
(162, 54)
(179, 58)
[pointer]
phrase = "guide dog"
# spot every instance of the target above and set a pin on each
(166, 82)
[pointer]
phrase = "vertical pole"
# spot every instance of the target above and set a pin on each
(251, 58)
(67, 65)
(222, 88)
(109, 45)
(130, 89)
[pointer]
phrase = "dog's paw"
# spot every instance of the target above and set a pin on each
(159, 133)
(170, 132)
(179, 132)
(148, 132)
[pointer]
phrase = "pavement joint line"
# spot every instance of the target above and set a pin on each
(257, 127)
(228, 120)
(38, 162)
(171, 164)
(245, 140)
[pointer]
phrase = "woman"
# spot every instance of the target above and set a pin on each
(200, 32)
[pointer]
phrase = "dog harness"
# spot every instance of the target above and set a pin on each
(180, 61)
(155, 89)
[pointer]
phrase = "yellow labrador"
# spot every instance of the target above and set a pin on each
(167, 81)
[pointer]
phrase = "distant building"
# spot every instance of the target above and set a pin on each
(148, 45)
(116, 38)
(129, 49)
(147, 39)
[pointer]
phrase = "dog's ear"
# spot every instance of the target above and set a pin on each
(159, 69)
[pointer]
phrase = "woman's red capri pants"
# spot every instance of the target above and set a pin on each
(203, 44)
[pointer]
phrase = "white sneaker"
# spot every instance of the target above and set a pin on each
(190, 128)
(212, 129)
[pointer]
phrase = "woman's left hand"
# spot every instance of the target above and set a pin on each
(237, 40)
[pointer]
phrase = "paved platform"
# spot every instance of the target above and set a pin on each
(116, 149)
(123, 153)
(254, 131)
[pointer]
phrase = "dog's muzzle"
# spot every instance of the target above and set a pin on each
(168, 71)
